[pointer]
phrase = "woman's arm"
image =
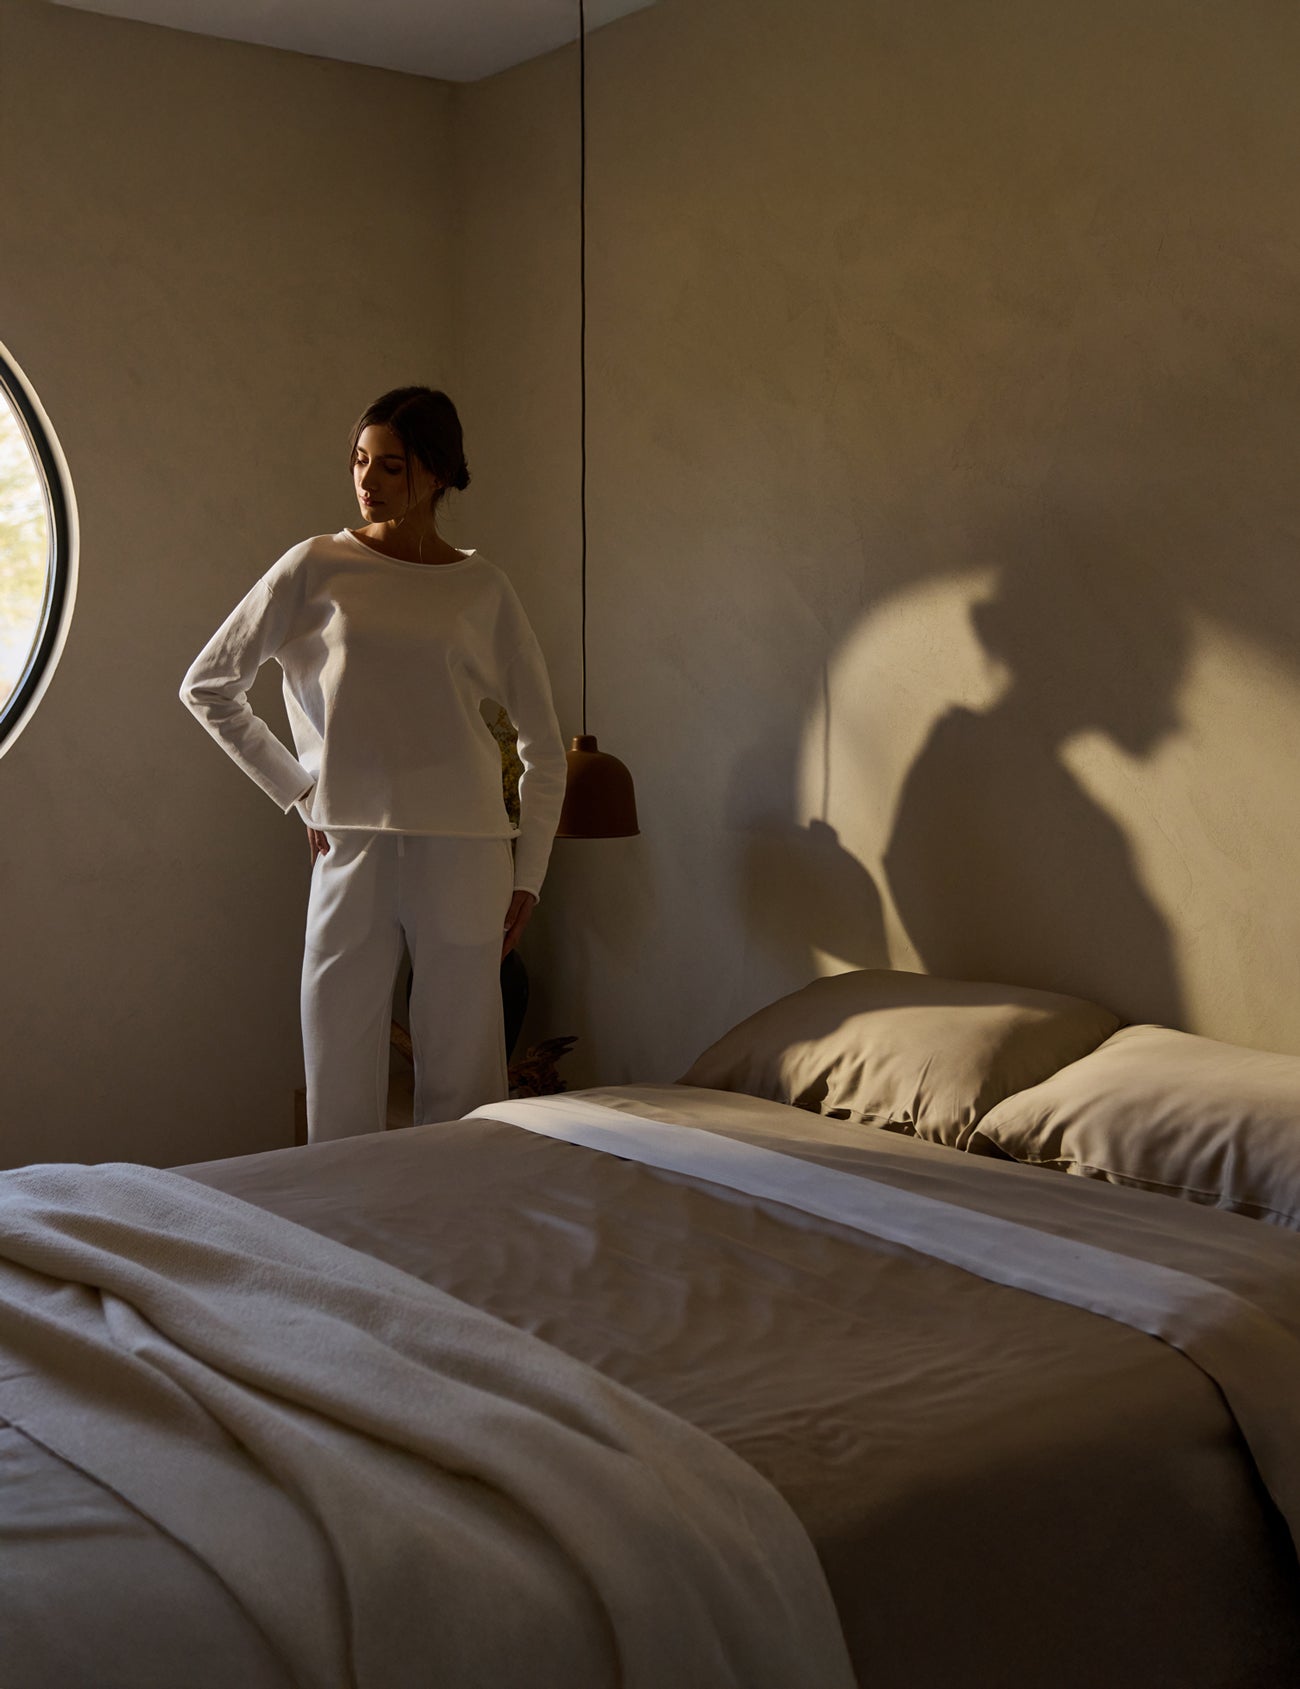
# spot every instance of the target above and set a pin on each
(216, 691)
(518, 915)
(541, 750)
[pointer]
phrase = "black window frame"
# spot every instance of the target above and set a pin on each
(61, 562)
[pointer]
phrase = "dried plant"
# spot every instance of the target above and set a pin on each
(535, 1075)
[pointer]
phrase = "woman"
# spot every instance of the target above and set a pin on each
(389, 639)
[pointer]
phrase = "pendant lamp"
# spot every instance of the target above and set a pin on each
(599, 802)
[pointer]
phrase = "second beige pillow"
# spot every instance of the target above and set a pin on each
(1167, 1111)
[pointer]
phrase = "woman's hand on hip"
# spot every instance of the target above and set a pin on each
(318, 844)
(518, 915)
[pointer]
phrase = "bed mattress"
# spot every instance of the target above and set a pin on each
(1002, 1490)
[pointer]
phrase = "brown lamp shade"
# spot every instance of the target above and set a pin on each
(599, 802)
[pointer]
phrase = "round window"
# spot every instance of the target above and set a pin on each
(37, 550)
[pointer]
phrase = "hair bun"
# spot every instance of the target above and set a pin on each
(462, 479)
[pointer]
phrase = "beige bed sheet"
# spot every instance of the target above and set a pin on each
(1003, 1491)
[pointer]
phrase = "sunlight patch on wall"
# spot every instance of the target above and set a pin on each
(907, 662)
(1142, 857)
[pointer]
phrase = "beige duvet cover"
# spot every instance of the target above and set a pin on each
(1002, 1490)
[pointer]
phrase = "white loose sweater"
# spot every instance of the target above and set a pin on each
(385, 664)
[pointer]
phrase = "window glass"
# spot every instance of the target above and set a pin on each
(37, 550)
(24, 551)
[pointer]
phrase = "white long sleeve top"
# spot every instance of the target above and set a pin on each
(385, 665)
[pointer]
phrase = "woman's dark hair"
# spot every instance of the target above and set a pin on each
(426, 423)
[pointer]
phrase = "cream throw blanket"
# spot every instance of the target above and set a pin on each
(396, 1488)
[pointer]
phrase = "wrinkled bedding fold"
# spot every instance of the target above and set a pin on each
(393, 1486)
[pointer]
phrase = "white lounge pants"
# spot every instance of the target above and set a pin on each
(448, 899)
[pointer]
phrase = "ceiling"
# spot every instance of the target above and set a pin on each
(456, 40)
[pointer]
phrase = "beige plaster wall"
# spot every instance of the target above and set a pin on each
(213, 256)
(944, 383)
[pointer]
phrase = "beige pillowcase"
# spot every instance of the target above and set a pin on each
(1170, 1112)
(901, 1050)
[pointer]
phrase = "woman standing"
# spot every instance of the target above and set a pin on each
(389, 639)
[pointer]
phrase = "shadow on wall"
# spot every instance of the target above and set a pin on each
(1000, 864)
(804, 893)
(799, 890)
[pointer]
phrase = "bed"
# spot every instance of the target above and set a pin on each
(855, 1404)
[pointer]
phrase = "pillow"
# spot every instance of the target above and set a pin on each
(1171, 1112)
(903, 1051)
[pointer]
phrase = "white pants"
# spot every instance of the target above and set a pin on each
(448, 899)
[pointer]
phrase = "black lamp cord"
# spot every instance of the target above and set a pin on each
(582, 333)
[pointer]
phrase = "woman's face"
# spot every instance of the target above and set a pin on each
(385, 491)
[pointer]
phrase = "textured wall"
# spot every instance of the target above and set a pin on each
(213, 257)
(944, 387)
(945, 378)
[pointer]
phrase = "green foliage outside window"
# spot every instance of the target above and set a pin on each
(512, 770)
(24, 551)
